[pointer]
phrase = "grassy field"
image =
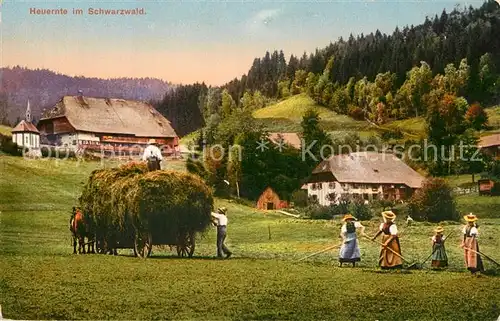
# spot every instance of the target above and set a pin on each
(5, 130)
(287, 115)
(41, 279)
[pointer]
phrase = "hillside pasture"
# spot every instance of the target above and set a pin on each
(41, 279)
(288, 113)
(5, 130)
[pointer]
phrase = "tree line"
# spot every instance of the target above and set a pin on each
(375, 76)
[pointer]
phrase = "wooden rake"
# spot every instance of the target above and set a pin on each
(412, 266)
(319, 252)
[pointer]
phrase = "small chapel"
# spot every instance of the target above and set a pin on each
(25, 134)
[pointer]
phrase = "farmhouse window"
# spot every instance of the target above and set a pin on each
(331, 185)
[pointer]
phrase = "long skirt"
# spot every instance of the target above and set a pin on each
(349, 252)
(473, 261)
(389, 260)
(439, 257)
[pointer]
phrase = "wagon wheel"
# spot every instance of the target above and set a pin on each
(186, 245)
(143, 244)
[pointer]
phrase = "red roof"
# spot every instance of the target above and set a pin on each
(25, 126)
(292, 139)
(489, 141)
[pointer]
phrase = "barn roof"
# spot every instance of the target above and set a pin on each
(370, 167)
(117, 116)
(25, 126)
(291, 139)
(489, 141)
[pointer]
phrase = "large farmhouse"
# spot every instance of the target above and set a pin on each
(366, 175)
(104, 124)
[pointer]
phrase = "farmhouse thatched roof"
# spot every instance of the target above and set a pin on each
(117, 116)
(489, 141)
(292, 139)
(25, 126)
(370, 167)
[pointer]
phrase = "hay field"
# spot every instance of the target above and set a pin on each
(41, 279)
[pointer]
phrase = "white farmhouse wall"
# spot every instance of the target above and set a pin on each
(320, 191)
(30, 140)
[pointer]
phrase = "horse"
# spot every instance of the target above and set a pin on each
(80, 229)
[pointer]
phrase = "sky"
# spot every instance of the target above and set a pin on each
(189, 41)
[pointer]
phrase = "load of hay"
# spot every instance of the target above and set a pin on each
(166, 204)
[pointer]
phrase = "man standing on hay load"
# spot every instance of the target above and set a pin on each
(388, 259)
(349, 252)
(473, 260)
(152, 154)
(220, 220)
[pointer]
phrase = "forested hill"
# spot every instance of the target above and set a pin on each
(448, 38)
(439, 40)
(44, 88)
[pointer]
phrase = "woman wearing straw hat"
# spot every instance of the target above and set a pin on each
(390, 240)
(439, 257)
(473, 260)
(349, 252)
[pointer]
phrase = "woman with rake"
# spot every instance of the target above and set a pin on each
(473, 260)
(349, 252)
(439, 257)
(390, 243)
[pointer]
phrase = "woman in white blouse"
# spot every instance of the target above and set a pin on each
(473, 260)
(349, 252)
(390, 240)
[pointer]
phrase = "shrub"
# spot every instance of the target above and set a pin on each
(393, 134)
(476, 117)
(299, 198)
(55, 152)
(9, 147)
(434, 202)
(357, 113)
(320, 212)
(360, 211)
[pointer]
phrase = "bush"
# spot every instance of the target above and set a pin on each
(299, 198)
(434, 202)
(357, 113)
(320, 212)
(360, 211)
(9, 147)
(393, 134)
(55, 152)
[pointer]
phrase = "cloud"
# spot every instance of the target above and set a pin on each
(262, 21)
(266, 16)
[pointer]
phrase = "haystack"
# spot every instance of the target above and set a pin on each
(164, 203)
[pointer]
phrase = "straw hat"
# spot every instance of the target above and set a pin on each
(349, 217)
(152, 141)
(389, 215)
(222, 210)
(439, 229)
(470, 217)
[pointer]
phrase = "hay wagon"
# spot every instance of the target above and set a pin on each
(130, 207)
(142, 242)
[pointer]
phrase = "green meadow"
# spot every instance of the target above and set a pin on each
(40, 278)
